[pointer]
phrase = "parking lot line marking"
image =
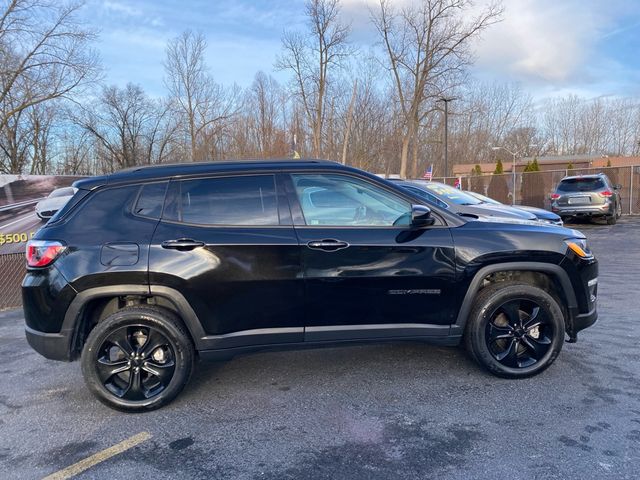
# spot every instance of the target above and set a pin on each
(99, 457)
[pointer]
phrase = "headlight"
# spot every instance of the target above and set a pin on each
(580, 247)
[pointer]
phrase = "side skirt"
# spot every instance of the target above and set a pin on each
(229, 353)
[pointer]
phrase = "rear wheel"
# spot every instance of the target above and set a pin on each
(515, 330)
(138, 358)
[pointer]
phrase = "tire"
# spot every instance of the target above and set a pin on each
(150, 352)
(618, 209)
(523, 353)
(612, 219)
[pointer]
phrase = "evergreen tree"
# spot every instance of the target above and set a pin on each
(533, 185)
(498, 187)
(477, 182)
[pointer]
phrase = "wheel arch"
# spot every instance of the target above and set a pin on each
(92, 305)
(555, 272)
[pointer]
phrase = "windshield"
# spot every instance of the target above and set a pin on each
(483, 198)
(580, 185)
(449, 194)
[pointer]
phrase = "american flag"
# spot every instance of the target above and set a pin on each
(428, 174)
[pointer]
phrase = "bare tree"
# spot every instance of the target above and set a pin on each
(312, 56)
(131, 128)
(44, 54)
(202, 103)
(42, 119)
(426, 45)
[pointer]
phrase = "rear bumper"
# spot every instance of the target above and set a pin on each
(54, 346)
(587, 211)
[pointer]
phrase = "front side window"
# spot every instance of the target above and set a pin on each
(340, 200)
(243, 200)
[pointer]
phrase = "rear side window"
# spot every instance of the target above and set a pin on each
(242, 200)
(150, 200)
(581, 185)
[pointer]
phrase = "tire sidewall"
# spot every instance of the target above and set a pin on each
(481, 315)
(161, 321)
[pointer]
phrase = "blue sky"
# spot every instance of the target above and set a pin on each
(552, 47)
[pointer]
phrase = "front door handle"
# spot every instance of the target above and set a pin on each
(182, 244)
(328, 245)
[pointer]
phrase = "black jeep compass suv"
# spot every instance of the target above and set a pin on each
(146, 268)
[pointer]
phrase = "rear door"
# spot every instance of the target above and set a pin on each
(367, 274)
(581, 192)
(228, 245)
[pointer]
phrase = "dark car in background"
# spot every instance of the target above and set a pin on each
(459, 202)
(587, 196)
(145, 269)
(541, 214)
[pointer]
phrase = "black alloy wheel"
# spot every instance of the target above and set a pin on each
(514, 329)
(518, 333)
(138, 358)
(136, 362)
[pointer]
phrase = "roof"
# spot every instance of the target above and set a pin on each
(164, 171)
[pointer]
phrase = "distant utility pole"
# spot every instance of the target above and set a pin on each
(446, 101)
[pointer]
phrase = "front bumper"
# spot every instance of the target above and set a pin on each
(585, 320)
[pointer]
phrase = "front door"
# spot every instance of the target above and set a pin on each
(227, 244)
(368, 274)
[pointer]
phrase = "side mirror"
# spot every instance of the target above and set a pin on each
(421, 216)
(617, 186)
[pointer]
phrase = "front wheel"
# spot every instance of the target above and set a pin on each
(514, 330)
(138, 358)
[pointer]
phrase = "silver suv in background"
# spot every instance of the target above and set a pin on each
(587, 196)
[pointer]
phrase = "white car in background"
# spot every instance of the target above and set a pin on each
(45, 209)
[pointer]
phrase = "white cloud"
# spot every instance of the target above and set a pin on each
(548, 41)
(121, 8)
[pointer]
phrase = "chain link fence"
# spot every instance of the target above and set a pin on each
(12, 270)
(535, 188)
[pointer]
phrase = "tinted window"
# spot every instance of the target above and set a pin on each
(340, 200)
(151, 199)
(580, 185)
(242, 200)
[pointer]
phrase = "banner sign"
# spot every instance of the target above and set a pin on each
(26, 202)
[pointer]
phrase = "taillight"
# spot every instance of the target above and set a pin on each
(41, 253)
(555, 196)
(606, 193)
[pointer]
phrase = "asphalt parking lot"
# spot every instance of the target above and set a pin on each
(403, 410)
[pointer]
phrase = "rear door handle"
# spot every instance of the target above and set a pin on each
(182, 244)
(328, 245)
